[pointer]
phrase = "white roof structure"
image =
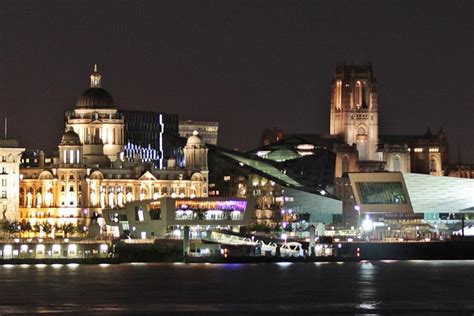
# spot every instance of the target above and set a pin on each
(439, 194)
(395, 192)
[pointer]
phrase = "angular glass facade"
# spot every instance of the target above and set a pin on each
(150, 134)
(382, 192)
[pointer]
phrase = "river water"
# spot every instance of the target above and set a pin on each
(416, 287)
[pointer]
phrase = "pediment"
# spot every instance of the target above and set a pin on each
(147, 176)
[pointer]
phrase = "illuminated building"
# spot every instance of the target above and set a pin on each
(91, 172)
(167, 216)
(409, 195)
(10, 155)
(354, 133)
(209, 131)
(152, 135)
(280, 196)
(354, 109)
(96, 121)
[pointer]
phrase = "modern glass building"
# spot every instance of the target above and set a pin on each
(395, 192)
(280, 197)
(165, 217)
(152, 135)
(208, 131)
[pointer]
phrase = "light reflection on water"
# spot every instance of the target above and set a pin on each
(365, 287)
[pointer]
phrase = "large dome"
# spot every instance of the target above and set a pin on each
(95, 98)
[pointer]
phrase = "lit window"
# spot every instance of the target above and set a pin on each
(139, 214)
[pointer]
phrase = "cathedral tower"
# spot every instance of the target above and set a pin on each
(354, 113)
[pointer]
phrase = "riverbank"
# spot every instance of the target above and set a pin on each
(172, 251)
(457, 249)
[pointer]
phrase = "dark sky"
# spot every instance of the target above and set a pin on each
(247, 64)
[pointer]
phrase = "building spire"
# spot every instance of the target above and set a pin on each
(95, 78)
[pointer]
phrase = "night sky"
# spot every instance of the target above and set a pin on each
(246, 64)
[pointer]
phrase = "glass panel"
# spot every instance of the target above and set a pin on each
(382, 192)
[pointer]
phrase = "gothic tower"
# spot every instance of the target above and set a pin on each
(354, 113)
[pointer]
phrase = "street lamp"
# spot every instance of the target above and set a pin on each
(357, 208)
(367, 224)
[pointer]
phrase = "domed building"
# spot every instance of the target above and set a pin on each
(95, 98)
(70, 148)
(195, 153)
(91, 173)
(96, 121)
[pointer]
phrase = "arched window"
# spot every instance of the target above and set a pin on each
(111, 199)
(49, 198)
(396, 163)
(22, 197)
(102, 199)
(345, 164)
(93, 198)
(39, 199)
(29, 199)
(120, 199)
(338, 96)
(433, 167)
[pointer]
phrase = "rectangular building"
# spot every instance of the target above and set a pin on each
(207, 130)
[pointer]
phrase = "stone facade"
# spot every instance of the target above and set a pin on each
(91, 172)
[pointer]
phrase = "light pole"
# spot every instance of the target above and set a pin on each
(357, 208)
(367, 225)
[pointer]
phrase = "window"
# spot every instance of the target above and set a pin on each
(155, 214)
(382, 192)
(396, 163)
(139, 214)
(345, 164)
(4, 194)
(433, 167)
(4, 182)
(338, 96)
